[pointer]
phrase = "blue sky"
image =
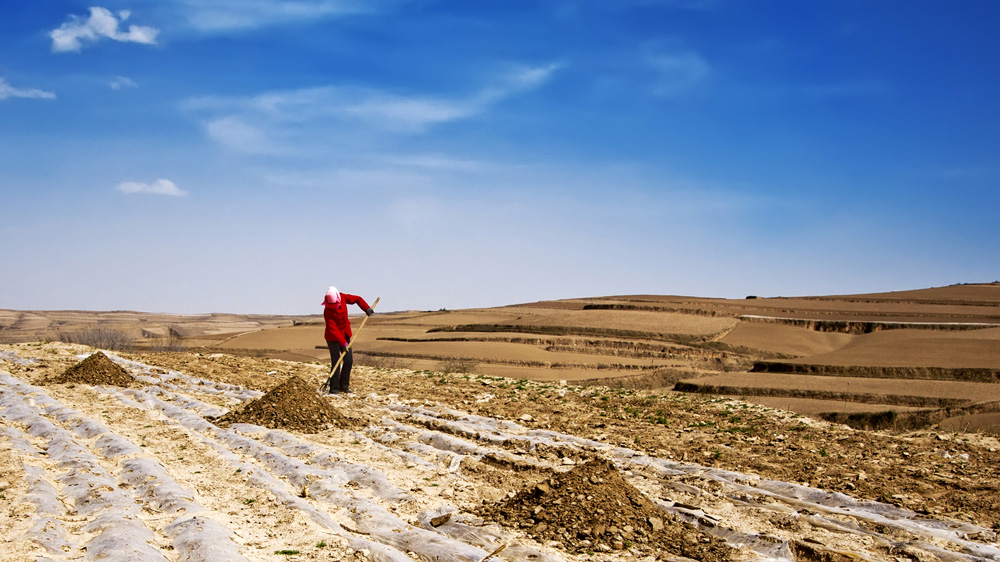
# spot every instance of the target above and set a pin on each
(242, 155)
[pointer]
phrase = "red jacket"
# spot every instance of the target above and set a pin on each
(338, 326)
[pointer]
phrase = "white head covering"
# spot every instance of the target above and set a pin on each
(332, 297)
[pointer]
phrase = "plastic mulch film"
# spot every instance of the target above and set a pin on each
(47, 530)
(197, 538)
(175, 380)
(95, 493)
(386, 440)
(364, 475)
(13, 357)
(323, 480)
(18, 441)
(263, 479)
(828, 507)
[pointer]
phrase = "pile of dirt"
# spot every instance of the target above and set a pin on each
(592, 508)
(293, 404)
(96, 369)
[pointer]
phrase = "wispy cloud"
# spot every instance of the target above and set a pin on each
(158, 187)
(239, 135)
(246, 123)
(677, 73)
(121, 82)
(224, 15)
(8, 91)
(102, 23)
(441, 162)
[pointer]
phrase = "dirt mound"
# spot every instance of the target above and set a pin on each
(293, 404)
(592, 508)
(96, 369)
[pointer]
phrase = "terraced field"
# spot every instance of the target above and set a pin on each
(825, 356)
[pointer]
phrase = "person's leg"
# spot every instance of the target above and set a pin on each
(345, 371)
(334, 354)
(333, 381)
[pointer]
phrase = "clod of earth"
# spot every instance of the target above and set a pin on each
(97, 369)
(293, 404)
(593, 508)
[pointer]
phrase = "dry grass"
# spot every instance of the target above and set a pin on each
(100, 337)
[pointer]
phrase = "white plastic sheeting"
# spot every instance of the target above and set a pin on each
(91, 491)
(313, 479)
(327, 487)
(13, 357)
(829, 507)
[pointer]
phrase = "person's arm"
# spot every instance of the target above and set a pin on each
(355, 299)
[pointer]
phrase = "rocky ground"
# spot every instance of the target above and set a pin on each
(218, 457)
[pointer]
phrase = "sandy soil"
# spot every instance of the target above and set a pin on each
(425, 464)
(786, 339)
(917, 348)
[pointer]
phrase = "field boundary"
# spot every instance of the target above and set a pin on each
(858, 327)
(965, 374)
(829, 395)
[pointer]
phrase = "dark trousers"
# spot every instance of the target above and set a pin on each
(340, 380)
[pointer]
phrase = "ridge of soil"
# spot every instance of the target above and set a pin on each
(593, 508)
(97, 369)
(294, 405)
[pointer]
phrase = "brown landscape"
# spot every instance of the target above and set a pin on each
(641, 427)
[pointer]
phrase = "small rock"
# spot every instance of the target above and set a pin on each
(526, 418)
(440, 520)
(656, 523)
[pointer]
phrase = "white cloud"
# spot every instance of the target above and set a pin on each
(405, 113)
(307, 105)
(522, 79)
(238, 135)
(222, 15)
(8, 91)
(158, 187)
(440, 162)
(120, 82)
(677, 73)
(72, 35)
(251, 123)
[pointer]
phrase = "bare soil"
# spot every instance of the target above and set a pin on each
(593, 508)
(464, 446)
(96, 369)
(294, 404)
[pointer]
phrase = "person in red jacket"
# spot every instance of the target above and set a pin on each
(338, 335)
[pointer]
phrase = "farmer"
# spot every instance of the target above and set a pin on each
(338, 335)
